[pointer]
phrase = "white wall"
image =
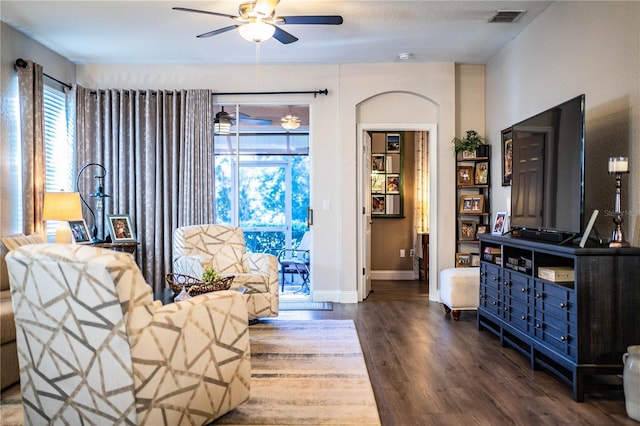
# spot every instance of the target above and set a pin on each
(573, 48)
(334, 139)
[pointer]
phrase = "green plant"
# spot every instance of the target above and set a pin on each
(470, 143)
(210, 275)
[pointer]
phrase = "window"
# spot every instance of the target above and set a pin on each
(58, 146)
(262, 174)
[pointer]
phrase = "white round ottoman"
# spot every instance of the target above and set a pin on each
(460, 290)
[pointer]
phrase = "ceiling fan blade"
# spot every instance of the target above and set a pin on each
(284, 37)
(218, 31)
(313, 20)
(260, 121)
(186, 9)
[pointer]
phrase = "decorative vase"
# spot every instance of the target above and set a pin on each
(631, 380)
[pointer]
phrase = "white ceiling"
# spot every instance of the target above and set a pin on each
(150, 32)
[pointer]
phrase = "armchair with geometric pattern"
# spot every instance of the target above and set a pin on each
(94, 348)
(223, 248)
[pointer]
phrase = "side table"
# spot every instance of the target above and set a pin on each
(125, 247)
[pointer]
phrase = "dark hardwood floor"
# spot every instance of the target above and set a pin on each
(427, 369)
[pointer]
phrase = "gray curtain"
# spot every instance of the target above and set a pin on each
(157, 148)
(31, 92)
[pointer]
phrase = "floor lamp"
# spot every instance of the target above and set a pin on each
(98, 194)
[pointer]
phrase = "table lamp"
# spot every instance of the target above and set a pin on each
(62, 206)
(617, 166)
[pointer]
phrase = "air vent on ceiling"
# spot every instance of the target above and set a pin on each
(506, 16)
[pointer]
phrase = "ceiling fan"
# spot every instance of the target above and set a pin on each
(224, 120)
(258, 21)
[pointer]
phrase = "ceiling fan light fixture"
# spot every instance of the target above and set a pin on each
(256, 31)
(222, 123)
(290, 122)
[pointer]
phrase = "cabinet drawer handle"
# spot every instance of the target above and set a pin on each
(506, 309)
(494, 303)
(524, 290)
(563, 305)
(495, 278)
(538, 325)
(538, 296)
(563, 339)
(523, 318)
(507, 283)
(482, 274)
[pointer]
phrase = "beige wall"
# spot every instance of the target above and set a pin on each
(570, 49)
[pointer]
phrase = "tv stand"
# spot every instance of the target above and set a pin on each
(575, 329)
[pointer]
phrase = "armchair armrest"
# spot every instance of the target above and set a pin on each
(193, 264)
(201, 343)
(262, 263)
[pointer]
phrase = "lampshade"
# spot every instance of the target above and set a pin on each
(62, 206)
(290, 122)
(618, 165)
(256, 31)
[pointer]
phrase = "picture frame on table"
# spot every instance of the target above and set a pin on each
(507, 157)
(475, 259)
(481, 228)
(499, 223)
(467, 230)
(481, 176)
(463, 260)
(80, 232)
(121, 228)
(465, 176)
(471, 204)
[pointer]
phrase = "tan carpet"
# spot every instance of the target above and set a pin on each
(303, 373)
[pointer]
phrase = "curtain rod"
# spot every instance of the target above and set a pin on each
(315, 93)
(23, 64)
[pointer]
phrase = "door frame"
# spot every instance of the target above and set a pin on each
(363, 187)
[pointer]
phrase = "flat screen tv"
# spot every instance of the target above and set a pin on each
(547, 192)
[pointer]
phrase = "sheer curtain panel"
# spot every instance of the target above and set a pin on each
(157, 147)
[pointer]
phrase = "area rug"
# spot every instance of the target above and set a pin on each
(303, 373)
(306, 306)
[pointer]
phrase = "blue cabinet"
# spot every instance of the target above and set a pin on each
(573, 328)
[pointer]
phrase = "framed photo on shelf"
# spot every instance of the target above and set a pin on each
(465, 175)
(393, 142)
(481, 228)
(499, 223)
(471, 204)
(467, 230)
(378, 163)
(377, 183)
(468, 155)
(475, 259)
(507, 157)
(80, 232)
(378, 204)
(481, 173)
(463, 260)
(393, 184)
(120, 228)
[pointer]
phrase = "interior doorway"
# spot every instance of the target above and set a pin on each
(425, 194)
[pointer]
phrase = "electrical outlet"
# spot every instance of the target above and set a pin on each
(412, 253)
(402, 253)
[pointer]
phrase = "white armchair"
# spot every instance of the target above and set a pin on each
(94, 348)
(223, 248)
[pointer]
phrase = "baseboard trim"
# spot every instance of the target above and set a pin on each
(393, 275)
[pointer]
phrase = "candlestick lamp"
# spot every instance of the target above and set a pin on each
(617, 166)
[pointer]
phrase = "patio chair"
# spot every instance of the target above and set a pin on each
(296, 262)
